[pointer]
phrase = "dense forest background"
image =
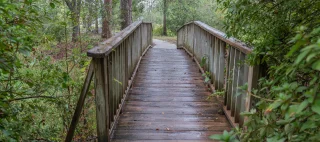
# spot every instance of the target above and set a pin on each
(43, 60)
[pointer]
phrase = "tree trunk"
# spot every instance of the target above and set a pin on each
(74, 6)
(90, 15)
(75, 26)
(106, 24)
(130, 11)
(97, 17)
(165, 8)
(126, 17)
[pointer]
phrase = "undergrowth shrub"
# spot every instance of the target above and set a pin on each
(286, 39)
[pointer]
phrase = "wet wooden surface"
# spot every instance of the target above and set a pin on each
(168, 102)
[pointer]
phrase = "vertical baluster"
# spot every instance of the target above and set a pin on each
(253, 77)
(140, 41)
(150, 32)
(123, 74)
(106, 87)
(210, 55)
(126, 62)
(208, 49)
(244, 94)
(230, 77)
(119, 77)
(240, 83)
(114, 91)
(222, 48)
(235, 82)
(116, 77)
(217, 85)
(201, 45)
(212, 59)
(130, 53)
(216, 61)
(134, 49)
(194, 40)
(197, 47)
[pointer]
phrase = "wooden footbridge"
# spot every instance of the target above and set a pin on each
(157, 94)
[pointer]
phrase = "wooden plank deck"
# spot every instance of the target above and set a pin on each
(168, 103)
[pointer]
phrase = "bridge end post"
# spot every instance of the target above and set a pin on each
(101, 99)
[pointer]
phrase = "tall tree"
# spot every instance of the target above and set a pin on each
(74, 6)
(96, 3)
(165, 9)
(126, 13)
(106, 16)
(90, 15)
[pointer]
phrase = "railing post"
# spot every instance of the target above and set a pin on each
(101, 96)
(253, 77)
(194, 40)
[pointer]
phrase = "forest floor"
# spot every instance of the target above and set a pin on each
(169, 39)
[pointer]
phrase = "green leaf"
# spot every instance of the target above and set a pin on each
(310, 56)
(274, 105)
(302, 106)
(316, 106)
(316, 65)
(301, 56)
(52, 5)
(207, 79)
(281, 122)
(216, 137)
(307, 125)
(275, 139)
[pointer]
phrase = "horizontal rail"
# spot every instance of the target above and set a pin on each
(224, 59)
(104, 48)
(222, 36)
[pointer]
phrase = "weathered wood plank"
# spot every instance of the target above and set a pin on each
(173, 118)
(164, 135)
(173, 126)
(166, 98)
(165, 94)
(124, 140)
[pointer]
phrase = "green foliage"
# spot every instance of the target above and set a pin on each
(203, 61)
(157, 31)
(286, 39)
(207, 77)
(40, 79)
(225, 137)
(181, 12)
(217, 93)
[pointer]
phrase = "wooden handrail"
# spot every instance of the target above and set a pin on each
(222, 36)
(114, 64)
(104, 48)
(225, 61)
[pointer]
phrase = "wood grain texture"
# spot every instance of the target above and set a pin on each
(168, 102)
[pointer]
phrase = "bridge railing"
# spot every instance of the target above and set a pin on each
(225, 61)
(113, 66)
